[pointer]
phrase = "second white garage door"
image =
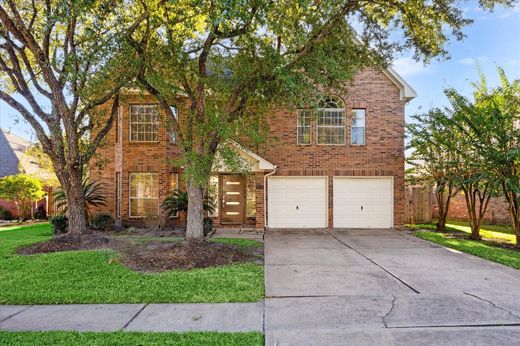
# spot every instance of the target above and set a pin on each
(363, 202)
(297, 202)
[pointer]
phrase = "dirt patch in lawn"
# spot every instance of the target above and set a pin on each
(68, 243)
(157, 257)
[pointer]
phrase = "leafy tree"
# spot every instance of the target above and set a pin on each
(59, 61)
(22, 190)
(225, 63)
(92, 195)
(492, 123)
(471, 173)
(433, 159)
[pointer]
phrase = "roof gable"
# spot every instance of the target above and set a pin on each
(8, 158)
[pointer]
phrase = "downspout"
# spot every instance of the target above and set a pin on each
(265, 194)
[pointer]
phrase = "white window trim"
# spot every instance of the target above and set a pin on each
(130, 123)
(171, 132)
(298, 127)
(318, 126)
(359, 127)
(130, 197)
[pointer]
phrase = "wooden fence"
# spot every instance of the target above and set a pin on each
(418, 204)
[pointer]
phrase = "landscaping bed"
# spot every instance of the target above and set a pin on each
(152, 254)
(100, 275)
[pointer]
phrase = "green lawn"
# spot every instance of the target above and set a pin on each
(129, 338)
(96, 277)
(499, 233)
(488, 248)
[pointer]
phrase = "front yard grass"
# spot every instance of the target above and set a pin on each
(495, 246)
(95, 276)
(498, 233)
(130, 338)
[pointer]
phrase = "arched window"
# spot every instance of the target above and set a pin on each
(331, 121)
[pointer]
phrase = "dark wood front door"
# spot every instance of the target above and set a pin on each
(233, 199)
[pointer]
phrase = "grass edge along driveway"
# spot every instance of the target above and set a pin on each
(488, 248)
(96, 277)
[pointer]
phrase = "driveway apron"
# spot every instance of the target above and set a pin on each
(384, 287)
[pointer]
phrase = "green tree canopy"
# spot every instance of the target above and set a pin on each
(22, 190)
(228, 62)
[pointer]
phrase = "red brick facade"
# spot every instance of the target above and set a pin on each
(382, 155)
(497, 211)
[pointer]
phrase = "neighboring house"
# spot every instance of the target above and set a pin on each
(14, 160)
(343, 168)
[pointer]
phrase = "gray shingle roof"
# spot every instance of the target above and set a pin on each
(10, 145)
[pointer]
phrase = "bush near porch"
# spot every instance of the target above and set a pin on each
(95, 276)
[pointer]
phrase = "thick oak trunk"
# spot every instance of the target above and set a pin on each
(78, 223)
(195, 219)
(72, 184)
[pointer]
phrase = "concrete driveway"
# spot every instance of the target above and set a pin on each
(384, 287)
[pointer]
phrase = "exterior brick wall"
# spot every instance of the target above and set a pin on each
(382, 155)
(497, 211)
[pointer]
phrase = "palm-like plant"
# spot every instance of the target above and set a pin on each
(178, 202)
(92, 191)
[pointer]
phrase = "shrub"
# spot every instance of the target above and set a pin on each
(207, 226)
(5, 214)
(60, 224)
(177, 202)
(102, 222)
(40, 213)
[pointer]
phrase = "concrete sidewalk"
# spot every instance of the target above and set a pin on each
(221, 317)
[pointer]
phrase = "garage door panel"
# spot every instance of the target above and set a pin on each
(363, 202)
(297, 202)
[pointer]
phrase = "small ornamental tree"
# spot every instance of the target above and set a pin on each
(471, 174)
(228, 62)
(492, 125)
(433, 159)
(22, 190)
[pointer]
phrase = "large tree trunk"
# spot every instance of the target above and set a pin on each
(78, 223)
(194, 223)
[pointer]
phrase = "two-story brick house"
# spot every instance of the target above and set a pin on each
(341, 167)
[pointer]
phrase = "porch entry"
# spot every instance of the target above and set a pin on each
(233, 197)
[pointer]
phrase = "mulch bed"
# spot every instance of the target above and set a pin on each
(182, 255)
(152, 256)
(67, 242)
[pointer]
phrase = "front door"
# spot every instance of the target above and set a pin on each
(233, 199)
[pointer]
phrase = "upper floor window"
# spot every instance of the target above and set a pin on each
(144, 194)
(144, 123)
(171, 134)
(331, 121)
(358, 127)
(304, 126)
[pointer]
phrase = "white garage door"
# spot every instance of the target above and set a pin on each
(363, 202)
(297, 202)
